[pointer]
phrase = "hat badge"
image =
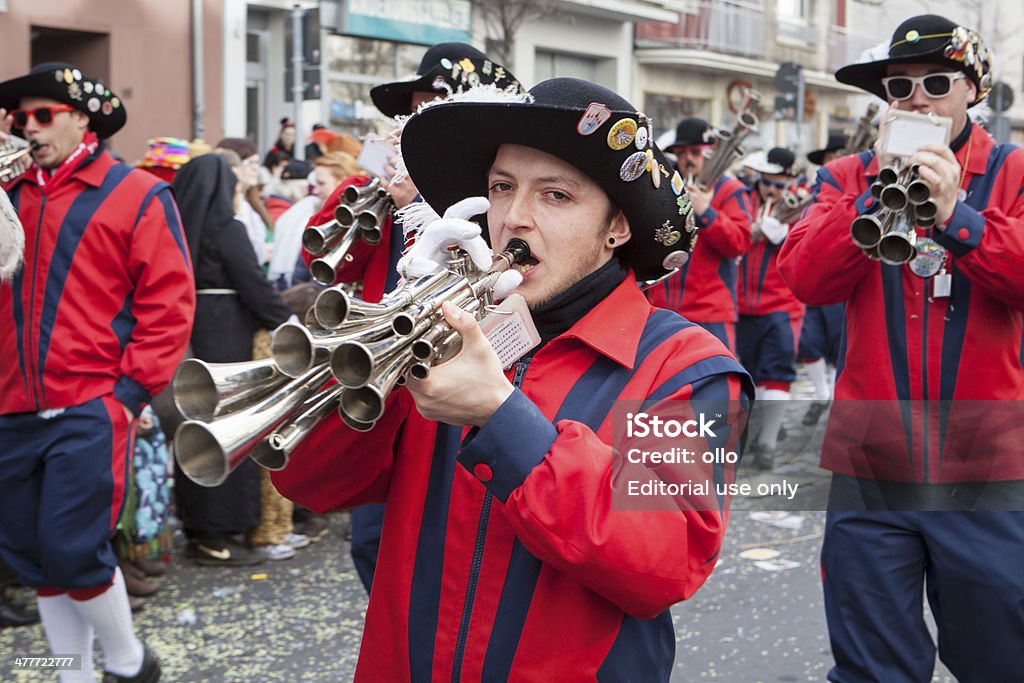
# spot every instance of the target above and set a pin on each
(666, 235)
(913, 36)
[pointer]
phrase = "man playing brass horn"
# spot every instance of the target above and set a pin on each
(91, 327)
(446, 68)
(925, 417)
(503, 546)
(704, 291)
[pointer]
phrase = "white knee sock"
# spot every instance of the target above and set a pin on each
(774, 414)
(818, 374)
(111, 617)
(68, 634)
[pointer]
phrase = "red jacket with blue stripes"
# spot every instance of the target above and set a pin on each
(704, 290)
(105, 300)
(761, 288)
(921, 371)
(502, 557)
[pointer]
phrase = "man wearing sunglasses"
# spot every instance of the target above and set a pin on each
(91, 327)
(926, 497)
(704, 290)
(770, 316)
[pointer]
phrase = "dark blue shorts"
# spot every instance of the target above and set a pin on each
(766, 346)
(62, 485)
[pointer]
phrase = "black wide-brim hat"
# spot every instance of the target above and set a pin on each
(66, 84)
(692, 131)
(927, 39)
(444, 69)
(835, 143)
(448, 149)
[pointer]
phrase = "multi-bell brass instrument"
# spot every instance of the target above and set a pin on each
(863, 136)
(15, 156)
(792, 205)
(359, 216)
(728, 150)
(263, 409)
(905, 203)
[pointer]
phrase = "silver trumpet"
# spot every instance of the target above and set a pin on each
(359, 216)
(15, 157)
(897, 245)
(371, 372)
(316, 238)
(728, 150)
(296, 349)
(863, 136)
(274, 451)
(263, 409)
(792, 205)
(204, 391)
(905, 200)
(208, 452)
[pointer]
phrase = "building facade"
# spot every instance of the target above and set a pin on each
(142, 50)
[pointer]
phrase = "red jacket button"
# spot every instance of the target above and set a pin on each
(963, 233)
(482, 472)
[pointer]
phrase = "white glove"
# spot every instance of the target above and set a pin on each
(428, 254)
(506, 283)
(773, 230)
(12, 238)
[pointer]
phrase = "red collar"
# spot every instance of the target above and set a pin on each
(613, 328)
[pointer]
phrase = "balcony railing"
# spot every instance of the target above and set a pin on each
(729, 26)
(846, 46)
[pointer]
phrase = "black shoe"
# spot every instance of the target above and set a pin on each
(14, 615)
(149, 673)
(315, 527)
(814, 413)
(222, 552)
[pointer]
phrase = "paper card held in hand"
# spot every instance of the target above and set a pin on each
(510, 330)
(904, 132)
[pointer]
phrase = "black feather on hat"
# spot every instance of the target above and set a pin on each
(835, 143)
(448, 149)
(444, 69)
(927, 39)
(65, 83)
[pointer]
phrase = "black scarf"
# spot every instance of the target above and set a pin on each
(564, 310)
(205, 190)
(956, 143)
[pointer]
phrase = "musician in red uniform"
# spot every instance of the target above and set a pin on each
(924, 439)
(446, 68)
(770, 315)
(503, 549)
(704, 290)
(91, 328)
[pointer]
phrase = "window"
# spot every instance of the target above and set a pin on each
(668, 110)
(794, 9)
(355, 65)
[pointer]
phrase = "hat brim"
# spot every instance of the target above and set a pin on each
(395, 99)
(467, 138)
(817, 157)
(44, 85)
